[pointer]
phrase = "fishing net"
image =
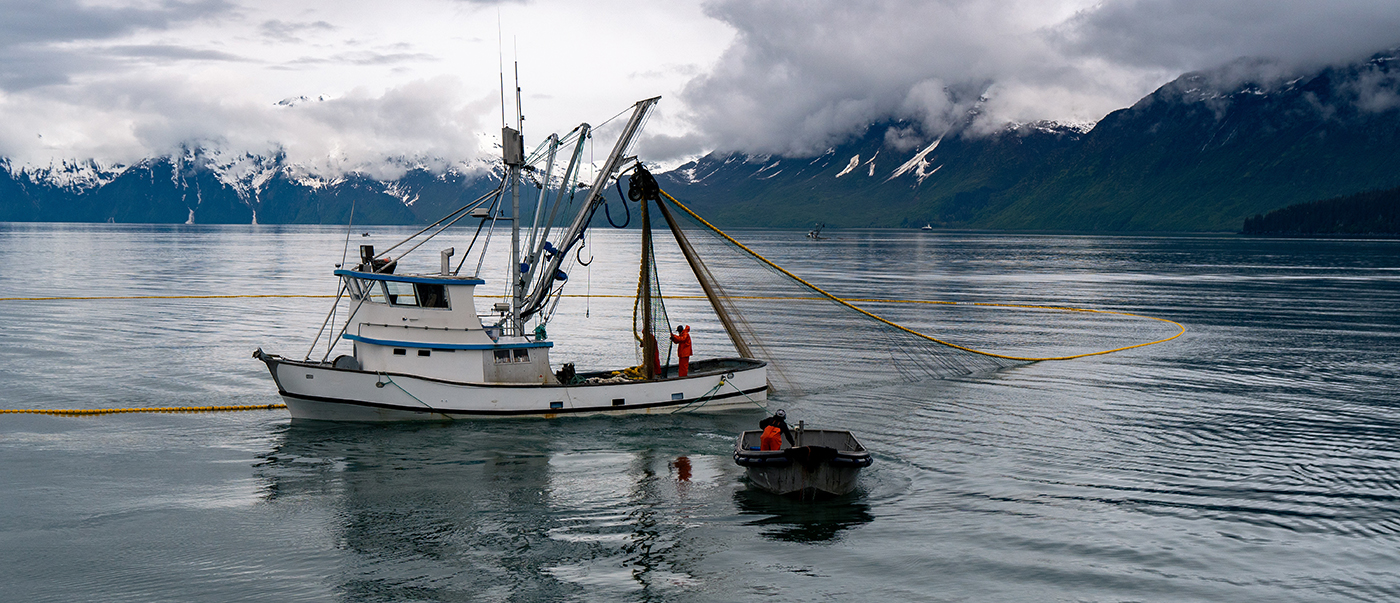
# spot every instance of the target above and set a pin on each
(817, 339)
(811, 341)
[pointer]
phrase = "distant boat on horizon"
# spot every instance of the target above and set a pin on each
(927, 227)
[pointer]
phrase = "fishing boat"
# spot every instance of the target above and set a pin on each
(420, 348)
(927, 227)
(816, 232)
(820, 462)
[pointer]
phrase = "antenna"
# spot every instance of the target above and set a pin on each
(501, 64)
(519, 119)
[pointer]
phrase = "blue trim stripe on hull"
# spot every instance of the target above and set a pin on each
(409, 278)
(447, 346)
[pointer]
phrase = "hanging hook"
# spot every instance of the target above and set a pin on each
(578, 254)
(608, 213)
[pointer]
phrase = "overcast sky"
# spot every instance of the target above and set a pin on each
(121, 80)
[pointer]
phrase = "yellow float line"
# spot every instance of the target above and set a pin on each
(182, 409)
(1181, 329)
(152, 297)
(112, 411)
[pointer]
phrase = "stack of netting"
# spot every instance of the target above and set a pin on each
(651, 327)
(811, 340)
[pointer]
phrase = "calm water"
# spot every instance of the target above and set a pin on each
(1253, 459)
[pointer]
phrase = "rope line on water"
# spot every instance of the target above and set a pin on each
(848, 302)
(113, 411)
(103, 297)
(1181, 329)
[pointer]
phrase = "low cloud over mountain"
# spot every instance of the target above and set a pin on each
(803, 76)
(120, 81)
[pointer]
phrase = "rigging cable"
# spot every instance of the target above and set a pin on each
(465, 208)
(479, 226)
(330, 317)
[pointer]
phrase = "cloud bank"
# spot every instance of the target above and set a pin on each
(379, 134)
(803, 75)
(416, 81)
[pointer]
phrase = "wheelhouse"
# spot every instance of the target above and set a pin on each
(428, 325)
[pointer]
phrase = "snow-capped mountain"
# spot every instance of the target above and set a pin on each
(208, 186)
(1201, 153)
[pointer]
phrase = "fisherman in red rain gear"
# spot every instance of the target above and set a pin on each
(682, 341)
(775, 428)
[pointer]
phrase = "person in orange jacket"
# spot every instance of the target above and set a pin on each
(775, 428)
(682, 341)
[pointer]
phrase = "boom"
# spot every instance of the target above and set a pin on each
(535, 297)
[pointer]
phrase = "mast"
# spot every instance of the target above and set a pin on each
(518, 276)
(513, 154)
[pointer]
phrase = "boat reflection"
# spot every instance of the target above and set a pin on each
(534, 509)
(795, 520)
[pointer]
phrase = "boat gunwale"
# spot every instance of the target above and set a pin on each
(520, 413)
(754, 363)
(766, 455)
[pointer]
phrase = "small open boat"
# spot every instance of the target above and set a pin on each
(824, 461)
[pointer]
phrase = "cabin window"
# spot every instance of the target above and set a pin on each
(375, 292)
(352, 285)
(521, 355)
(431, 296)
(401, 294)
(425, 352)
(400, 352)
(502, 356)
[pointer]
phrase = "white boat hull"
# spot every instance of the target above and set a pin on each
(317, 391)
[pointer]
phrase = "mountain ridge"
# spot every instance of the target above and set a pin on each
(1201, 153)
(199, 187)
